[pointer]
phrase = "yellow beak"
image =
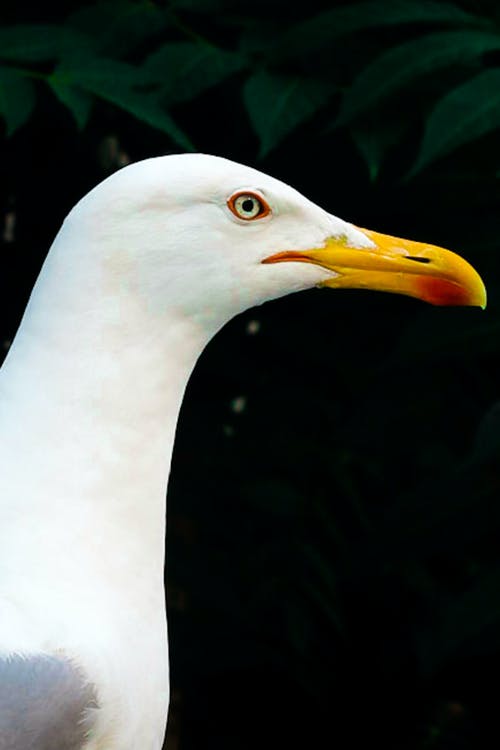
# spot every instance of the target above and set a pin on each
(395, 265)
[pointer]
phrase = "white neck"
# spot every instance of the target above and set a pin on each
(91, 390)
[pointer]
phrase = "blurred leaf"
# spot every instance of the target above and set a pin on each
(255, 37)
(102, 74)
(463, 115)
(398, 68)
(117, 26)
(321, 586)
(328, 606)
(114, 82)
(207, 6)
(77, 101)
(277, 104)
(147, 108)
(27, 43)
(463, 618)
(322, 29)
(184, 69)
(373, 140)
(17, 98)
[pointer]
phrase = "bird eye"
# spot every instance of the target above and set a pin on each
(248, 206)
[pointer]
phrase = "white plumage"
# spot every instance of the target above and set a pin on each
(144, 271)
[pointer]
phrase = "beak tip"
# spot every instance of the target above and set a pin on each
(481, 298)
(484, 300)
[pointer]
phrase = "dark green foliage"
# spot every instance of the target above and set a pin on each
(146, 59)
(462, 115)
(118, 27)
(118, 82)
(17, 98)
(324, 29)
(31, 44)
(183, 70)
(333, 560)
(276, 104)
(401, 66)
(78, 101)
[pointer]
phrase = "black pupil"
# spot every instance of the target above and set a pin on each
(248, 205)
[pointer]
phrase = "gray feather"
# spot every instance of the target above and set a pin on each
(43, 704)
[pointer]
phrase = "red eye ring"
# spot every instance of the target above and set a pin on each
(247, 205)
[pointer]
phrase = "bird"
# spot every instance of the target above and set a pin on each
(144, 271)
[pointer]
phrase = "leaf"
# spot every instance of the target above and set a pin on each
(205, 6)
(464, 621)
(102, 74)
(463, 115)
(400, 66)
(77, 101)
(351, 18)
(114, 81)
(374, 139)
(147, 108)
(17, 98)
(277, 104)
(184, 69)
(118, 26)
(27, 43)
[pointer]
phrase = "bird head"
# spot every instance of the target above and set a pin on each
(210, 235)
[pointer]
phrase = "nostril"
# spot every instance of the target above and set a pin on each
(418, 260)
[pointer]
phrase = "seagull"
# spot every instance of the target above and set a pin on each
(144, 271)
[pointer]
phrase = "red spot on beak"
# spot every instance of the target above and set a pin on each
(441, 291)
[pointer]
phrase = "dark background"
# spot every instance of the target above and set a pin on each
(333, 568)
